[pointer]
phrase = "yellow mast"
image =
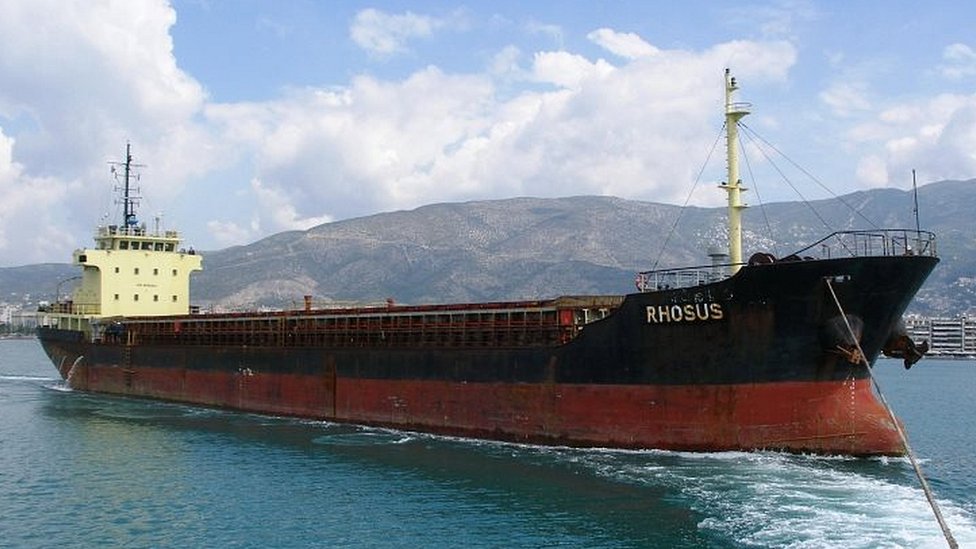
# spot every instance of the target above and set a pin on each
(733, 185)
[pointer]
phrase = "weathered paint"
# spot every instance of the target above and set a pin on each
(818, 417)
(767, 374)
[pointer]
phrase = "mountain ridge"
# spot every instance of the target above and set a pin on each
(531, 248)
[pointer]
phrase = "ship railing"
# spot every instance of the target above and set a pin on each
(874, 243)
(686, 277)
(137, 231)
(71, 308)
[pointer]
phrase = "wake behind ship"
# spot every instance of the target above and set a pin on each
(757, 354)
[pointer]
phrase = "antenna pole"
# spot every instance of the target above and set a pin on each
(127, 206)
(128, 200)
(918, 228)
(733, 185)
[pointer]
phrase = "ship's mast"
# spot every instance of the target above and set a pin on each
(733, 185)
(129, 199)
(127, 205)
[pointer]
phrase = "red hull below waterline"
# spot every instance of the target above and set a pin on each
(824, 417)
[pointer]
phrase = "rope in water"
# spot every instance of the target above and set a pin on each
(950, 540)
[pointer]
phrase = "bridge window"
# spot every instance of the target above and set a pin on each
(170, 247)
(123, 244)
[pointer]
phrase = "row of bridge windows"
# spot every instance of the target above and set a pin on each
(150, 246)
(136, 271)
(135, 297)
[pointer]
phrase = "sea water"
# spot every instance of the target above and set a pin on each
(82, 470)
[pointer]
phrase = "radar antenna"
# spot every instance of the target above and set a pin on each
(129, 199)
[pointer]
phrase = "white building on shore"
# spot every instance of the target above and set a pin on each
(946, 336)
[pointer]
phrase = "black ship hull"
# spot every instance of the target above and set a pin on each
(762, 359)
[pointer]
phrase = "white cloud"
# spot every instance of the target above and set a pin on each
(554, 32)
(936, 136)
(624, 44)
(845, 98)
(776, 20)
(81, 78)
(93, 73)
(567, 70)
(873, 170)
(960, 61)
(383, 34)
(505, 64)
(378, 145)
(281, 210)
(30, 228)
(229, 233)
(632, 129)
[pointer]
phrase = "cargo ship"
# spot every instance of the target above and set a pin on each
(763, 353)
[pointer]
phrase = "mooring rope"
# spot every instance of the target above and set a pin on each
(901, 433)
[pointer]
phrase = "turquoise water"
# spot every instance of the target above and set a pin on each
(84, 470)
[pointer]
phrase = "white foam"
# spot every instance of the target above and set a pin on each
(770, 499)
(11, 377)
(359, 438)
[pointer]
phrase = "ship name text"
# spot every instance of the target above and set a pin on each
(689, 312)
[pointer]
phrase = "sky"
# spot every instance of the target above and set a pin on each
(252, 117)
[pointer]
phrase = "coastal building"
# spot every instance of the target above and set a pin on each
(15, 319)
(946, 336)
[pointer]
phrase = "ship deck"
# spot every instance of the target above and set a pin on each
(497, 324)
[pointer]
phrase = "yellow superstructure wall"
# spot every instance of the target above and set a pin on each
(134, 282)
